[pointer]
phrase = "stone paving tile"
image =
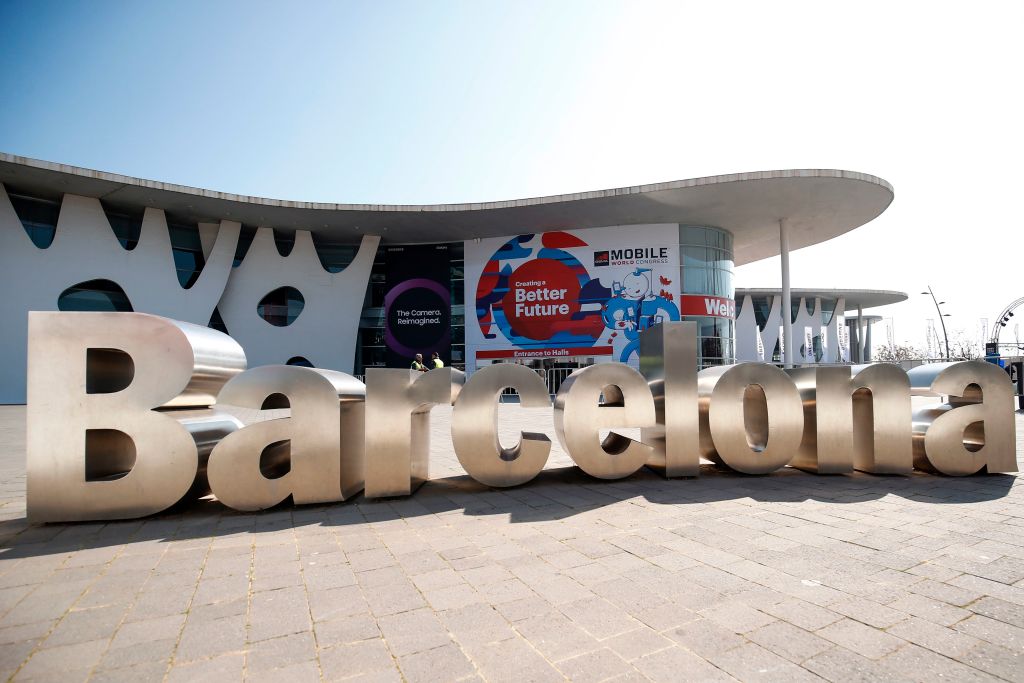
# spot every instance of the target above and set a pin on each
(723, 577)
(926, 608)
(840, 665)
(913, 663)
(997, 661)
(600, 665)
(992, 631)
(751, 662)
(791, 642)
(677, 664)
(860, 638)
(936, 638)
(637, 643)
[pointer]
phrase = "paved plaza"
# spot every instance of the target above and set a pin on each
(787, 577)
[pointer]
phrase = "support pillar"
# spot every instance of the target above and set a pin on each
(860, 334)
(787, 297)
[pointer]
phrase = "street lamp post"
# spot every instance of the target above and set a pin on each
(941, 316)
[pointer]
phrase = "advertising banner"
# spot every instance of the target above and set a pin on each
(707, 305)
(417, 306)
(570, 293)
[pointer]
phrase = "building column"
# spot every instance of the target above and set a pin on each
(787, 298)
(860, 334)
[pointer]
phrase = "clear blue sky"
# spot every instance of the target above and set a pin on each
(416, 102)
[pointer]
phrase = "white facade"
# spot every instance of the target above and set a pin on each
(85, 248)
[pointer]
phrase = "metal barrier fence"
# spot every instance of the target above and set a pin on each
(553, 378)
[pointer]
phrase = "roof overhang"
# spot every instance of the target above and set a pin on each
(816, 204)
(862, 298)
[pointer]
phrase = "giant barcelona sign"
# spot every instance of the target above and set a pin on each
(125, 419)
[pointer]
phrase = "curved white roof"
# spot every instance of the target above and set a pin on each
(817, 204)
(864, 298)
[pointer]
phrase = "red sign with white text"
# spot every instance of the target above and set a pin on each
(715, 306)
(490, 354)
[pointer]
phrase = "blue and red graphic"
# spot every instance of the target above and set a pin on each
(535, 293)
(635, 307)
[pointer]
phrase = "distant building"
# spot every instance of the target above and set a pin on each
(819, 316)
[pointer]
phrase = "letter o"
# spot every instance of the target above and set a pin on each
(754, 432)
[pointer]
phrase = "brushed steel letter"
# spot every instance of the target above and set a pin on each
(475, 426)
(668, 361)
(398, 404)
(861, 423)
(316, 453)
(975, 430)
(579, 415)
(98, 447)
(751, 417)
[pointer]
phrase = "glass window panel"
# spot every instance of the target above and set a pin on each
(711, 348)
(378, 290)
(458, 291)
(693, 280)
(38, 217)
(95, 295)
(371, 336)
(828, 308)
(694, 257)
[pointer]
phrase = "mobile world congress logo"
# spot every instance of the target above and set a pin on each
(126, 417)
(632, 256)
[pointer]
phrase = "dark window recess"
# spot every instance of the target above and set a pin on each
(378, 289)
(458, 292)
(334, 257)
(38, 217)
(373, 336)
(281, 307)
(301, 361)
(374, 357)
(762, 309)
(217, 322)
(245, 238)
(127, 225)
(284, 241)
(188, 252)
(94, 295)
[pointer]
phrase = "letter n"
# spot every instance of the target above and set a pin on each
(861, 423)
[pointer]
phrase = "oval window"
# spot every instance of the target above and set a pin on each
(281, 307)
(94, 295)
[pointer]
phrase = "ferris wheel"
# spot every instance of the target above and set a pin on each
(1004, 318)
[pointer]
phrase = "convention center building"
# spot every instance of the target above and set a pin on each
(553, 282)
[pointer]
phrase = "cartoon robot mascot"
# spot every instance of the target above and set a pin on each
(634, 308)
